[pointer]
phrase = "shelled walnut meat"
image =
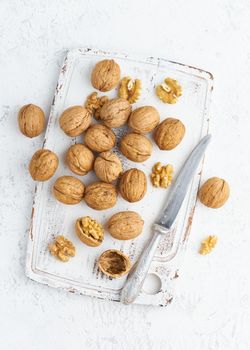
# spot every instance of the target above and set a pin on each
(62, 248)
(31, 120)
(43, 165)
(100, 195)
(130, 89)
(169, 133)
(68, 190)
(114, 263)
(125, 225)
(133, 185)
(80, 159)
(136, 147)
(75, 120)
(214, 192)
(144, 119)
(115, 112)
(99, 138)
(105, 75)
(94, 104)
(89, 231)
(108, 166)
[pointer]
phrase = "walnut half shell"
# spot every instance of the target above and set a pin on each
(114, 263)
(125, 225)
(89, 231)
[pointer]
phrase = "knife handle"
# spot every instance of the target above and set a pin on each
(138, 273)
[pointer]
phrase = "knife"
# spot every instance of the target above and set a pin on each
(163, 224)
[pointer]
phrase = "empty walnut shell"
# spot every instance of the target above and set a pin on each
(105, 75)
(115, 112)
(114, 263)
(80, 159)
(136, 147)
(169, 133)
(89, 231)
(68, 190)
(214, 192)
(100, 195)
(43, 165)
(144, 119)
(133, 185)
(31, 120)
(108, 166)
(99, 138)
(125, 225)
(75, 120)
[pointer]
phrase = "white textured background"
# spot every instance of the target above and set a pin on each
(212, 305)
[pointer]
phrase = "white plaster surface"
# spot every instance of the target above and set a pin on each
(212, 305)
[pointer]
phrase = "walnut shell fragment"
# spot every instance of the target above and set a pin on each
(68, 190)
(43, 165)
(100, 195)
(99, 138)
(144, 119)
(136, 147)
(130, 89)
(108, 166)
(89, 231)
(125, 225)
(31, 120)
(80, 159)
(214, 192)
(115, 112)
(105, 75)
(114, 263)
(75, 120)
(169, 133)
(133, 185)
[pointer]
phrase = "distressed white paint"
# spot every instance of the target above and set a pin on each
(212, 307)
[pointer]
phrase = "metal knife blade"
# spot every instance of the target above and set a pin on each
(180, 186)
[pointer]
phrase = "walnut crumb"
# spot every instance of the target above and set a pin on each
(207, 245)
(62, 248)
(162, 176)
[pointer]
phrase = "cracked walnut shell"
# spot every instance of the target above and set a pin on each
(169, 91)
(68, 190)
(75, 120)
(125, 225)
(133, 185)
(136, 147)
(108, 166)
(80, 159)
(43, 165)
(115, 112)
(99, 138)
(130, 89)
(62, 248)
(214, 192)
(144, 119)
(114, 263)
(89, 231)
(105, 75)
(100, 195)
(169, 133)
(31, 120)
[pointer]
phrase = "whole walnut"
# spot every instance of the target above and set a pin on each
(144, 119)
(105, 75)
(115, 112)
(43, 165)
(100, 195)
(80, 159)
(74, 120)
(136, 147)
(114, 263)
(108, 166)
(125, 225)
(133, 185)
(68, 190)
(99, 138)
(214, 192)
(169, 133)
(31, 120)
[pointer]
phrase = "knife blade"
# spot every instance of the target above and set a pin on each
(138, 273)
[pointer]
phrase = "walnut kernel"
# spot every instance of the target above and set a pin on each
(89, 231)
(130, 89)
(162, 176)
(207, 245)
(62, 248)
(94, 104)
(169, 91)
